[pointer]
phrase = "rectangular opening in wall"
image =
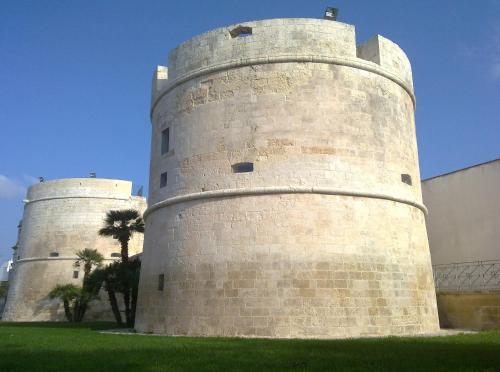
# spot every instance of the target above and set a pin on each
(161, 282)
(163, 179)
(54, 254)
(115, 254)
(165, 141)
(241, 31)
(75, 274)
(242, 167)
(406, 178)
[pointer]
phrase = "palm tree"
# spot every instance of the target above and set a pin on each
(121, 225)
(69, 294)
(75, 299)
(108, 277)
(89, 258)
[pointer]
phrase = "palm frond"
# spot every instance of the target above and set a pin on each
(108, 231)
(66, 292)
(123, 215)
(89, 255)
(137, 225)
(121, 225)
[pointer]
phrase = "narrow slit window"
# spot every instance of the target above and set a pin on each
(406, 178)
(75, 274)
(163, 179)
(165, 141)
(242, 167)
(54, 254)
(241, 31)
(115, 254)
(161, 282)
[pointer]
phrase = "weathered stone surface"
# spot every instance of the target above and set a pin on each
(469, 310)
(64, 216)
(322, 239)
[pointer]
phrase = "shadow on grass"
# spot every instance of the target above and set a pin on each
(97, 326)
(83, 351)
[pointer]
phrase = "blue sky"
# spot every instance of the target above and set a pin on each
(75, 80)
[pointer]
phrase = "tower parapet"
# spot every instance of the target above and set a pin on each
(282, 40)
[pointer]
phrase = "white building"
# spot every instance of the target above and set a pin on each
(4, 277)
(464, 214)
(4, 271)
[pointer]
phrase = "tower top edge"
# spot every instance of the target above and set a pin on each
(282, 23)
(280, 40)
(86, 180)
(80, 186)
(270, 22)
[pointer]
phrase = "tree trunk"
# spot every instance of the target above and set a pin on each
(67, 311)
(114, 303)
(81, 312)
(87, 268)
(124, 251)
(76, 311)
(126, 300)
(135, 292)
(126, 293)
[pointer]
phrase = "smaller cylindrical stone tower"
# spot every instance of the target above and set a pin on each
(60, 218)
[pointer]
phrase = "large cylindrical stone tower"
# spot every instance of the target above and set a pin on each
(60, 218)
(284, 190)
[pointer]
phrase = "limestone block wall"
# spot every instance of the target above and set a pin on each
(322, 238)
(60, 218)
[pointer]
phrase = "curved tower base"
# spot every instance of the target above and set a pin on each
(288, 266)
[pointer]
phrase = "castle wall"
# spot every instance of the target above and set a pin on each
(322, 238)
(464, 214)
(463, 230)
(63, 217)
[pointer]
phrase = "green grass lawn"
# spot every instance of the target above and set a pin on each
(65, 347)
